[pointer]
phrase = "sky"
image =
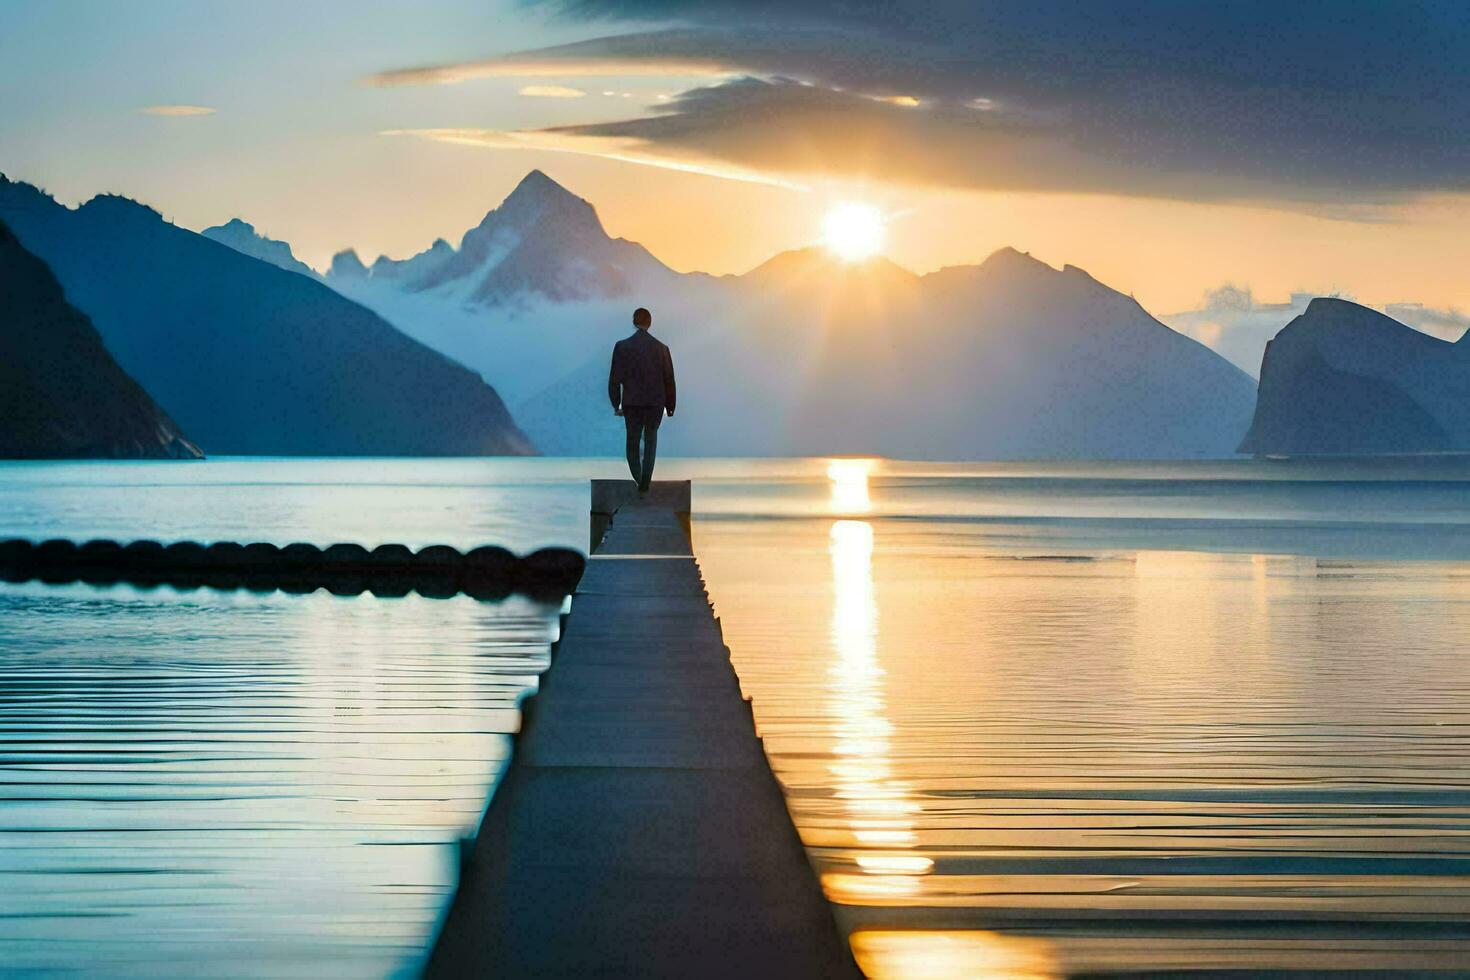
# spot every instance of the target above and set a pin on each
(1168, 148)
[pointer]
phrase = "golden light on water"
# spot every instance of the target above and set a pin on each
(895, 864)
(848, 481)
(854, 231)
(877, 810)
(923, 954)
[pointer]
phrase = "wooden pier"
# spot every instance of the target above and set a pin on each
(639, 831)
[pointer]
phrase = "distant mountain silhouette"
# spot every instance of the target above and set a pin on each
(346, 266)
(1344, 379)
(1009, 359)
(807, 354)
(541, 243)
(61, 393)
(249, 358)
(242, 237)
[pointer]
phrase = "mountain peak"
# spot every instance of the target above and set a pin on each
(815, 264)
(18, 193)
(241, 236)
(1320, 306)
(536, 182)
(1336, 315)
(237, 225)
(1013, 258)
(347, 265)
(1344, 379)
(117, 205)
(1352, 336)
(537, 197)
(542, 240)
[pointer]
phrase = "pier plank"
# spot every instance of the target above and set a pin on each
(639, 831)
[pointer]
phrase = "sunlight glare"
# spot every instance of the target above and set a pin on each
(854, 231)
(922, 954)
(849, 485)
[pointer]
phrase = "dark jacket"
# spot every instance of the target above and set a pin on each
(642, 373)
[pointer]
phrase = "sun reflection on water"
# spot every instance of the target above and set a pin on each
(848, 479)
(878, 810)
(921, 954)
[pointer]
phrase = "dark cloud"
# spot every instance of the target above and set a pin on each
(796, 127)
(1310, 101)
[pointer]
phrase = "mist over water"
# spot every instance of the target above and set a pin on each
(1033, 719)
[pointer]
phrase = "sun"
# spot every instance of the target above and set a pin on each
(854, 231)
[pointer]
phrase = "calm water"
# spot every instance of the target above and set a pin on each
(1031, 720)
(1226, 728)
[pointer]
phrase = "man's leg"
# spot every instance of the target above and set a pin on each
(632, 423)
(650, 444)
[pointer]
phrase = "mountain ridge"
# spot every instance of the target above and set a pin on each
(1010, 358)
(541, 241)
(62, 395)
(252, 359)
(242, 237)
(1005, 359)
(1345, 379)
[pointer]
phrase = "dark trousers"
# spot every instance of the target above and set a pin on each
(642, 424)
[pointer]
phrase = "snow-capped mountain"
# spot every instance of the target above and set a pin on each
(807, 354)
(542, 243)
(531, 290)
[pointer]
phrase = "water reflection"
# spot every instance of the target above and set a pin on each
(878, 808)
(848, 480)
(919, 954)
(1021, 764)
(232, 784)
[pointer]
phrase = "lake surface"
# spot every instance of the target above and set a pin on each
(1035, 725)
(1032, 720)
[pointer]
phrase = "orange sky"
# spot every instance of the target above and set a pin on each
(294, 142)
(401, 193)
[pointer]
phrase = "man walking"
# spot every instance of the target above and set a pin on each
(641, 387)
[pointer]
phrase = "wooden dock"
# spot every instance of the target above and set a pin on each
(639, 831)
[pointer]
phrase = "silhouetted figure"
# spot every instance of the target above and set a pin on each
(641, 387)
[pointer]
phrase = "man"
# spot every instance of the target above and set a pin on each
(641, 387)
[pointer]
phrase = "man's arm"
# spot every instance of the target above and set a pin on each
(614, 385)
(669, 381)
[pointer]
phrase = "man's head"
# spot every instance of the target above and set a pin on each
(642, 319)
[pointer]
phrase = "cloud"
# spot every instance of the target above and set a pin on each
(627, 151)
(1235, 325)
(1232, 322)
(792, 127)
(551, 92)
(176, 111)
(1449, 324)
(629, 56)
(1317, 104)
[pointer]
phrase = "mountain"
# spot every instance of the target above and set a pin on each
(346, 266)
(1345, 379)
(61, 393)
(243, 238)
(249, 358)
(807, 354)
(541, 243)
(531, 290)
(1008, 359)
(1235, 324)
